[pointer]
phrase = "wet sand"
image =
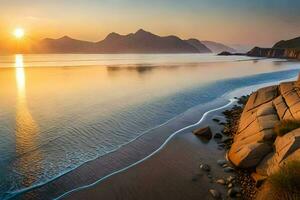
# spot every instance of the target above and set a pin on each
(173, 173)
(172, 169)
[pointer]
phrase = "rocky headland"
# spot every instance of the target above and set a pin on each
(265, 142)
(288, 49)
(275, 53)
(285, 49)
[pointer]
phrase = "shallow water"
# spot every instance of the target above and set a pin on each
(59, 111)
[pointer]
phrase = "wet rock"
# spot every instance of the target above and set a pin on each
(225, 165)
(205, 167)
(258, 179)
(215, 193)
(216, 120)
(230, 179)
(221, 145)
(221, 162)
(204, 133)
(221, 181)
(232, 192)
(228, 169)
(218, 136)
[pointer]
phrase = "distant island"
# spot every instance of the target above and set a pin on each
(139, 42)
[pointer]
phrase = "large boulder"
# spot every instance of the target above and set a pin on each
(287, 148)
(261, 97)
(290, 92)
(255, 135)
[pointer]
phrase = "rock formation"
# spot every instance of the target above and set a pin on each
(283, 49)
(274, 53)
(255, 144)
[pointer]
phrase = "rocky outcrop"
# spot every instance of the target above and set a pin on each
(226, 53)
(255, 143)
(253, 139)
(274, 53)
(289, 49)
(286, 148)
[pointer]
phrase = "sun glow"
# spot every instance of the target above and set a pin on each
(19, 33)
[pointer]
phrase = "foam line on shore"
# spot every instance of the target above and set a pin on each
(231, 101)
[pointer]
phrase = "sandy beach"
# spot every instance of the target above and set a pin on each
(174, 172)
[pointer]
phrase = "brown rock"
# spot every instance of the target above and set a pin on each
(249, 155)
(259, 179)
(203, 133)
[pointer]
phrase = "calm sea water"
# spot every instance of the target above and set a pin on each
(59, 111)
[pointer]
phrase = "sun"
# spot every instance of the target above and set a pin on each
(19, 33)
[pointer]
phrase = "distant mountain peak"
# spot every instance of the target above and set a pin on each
(65, 38)
(112, 35)
(141, 31)
(199, 45)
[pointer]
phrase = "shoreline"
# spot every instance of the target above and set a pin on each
(163, 163)
(150, 139)
(153, 153)
(62, 181)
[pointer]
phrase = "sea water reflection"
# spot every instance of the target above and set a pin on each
(26, 130)
(54, 118)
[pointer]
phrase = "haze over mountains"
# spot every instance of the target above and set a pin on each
(217, 47)
(139, 42)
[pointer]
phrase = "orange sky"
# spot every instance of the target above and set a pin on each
(227, 21)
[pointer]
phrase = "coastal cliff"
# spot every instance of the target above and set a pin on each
(268, 136)
(274, 53)
(289, 49)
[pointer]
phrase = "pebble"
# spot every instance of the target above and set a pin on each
(228, 169)
(221, 181)
(232, 192)
(230, 179)
(218, 136)
(205, 167)
(215, 193)
(216, 120)
(230, 185)
(221, 162)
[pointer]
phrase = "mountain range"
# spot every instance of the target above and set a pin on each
(139, 42)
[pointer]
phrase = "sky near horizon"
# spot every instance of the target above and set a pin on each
(256, 22)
